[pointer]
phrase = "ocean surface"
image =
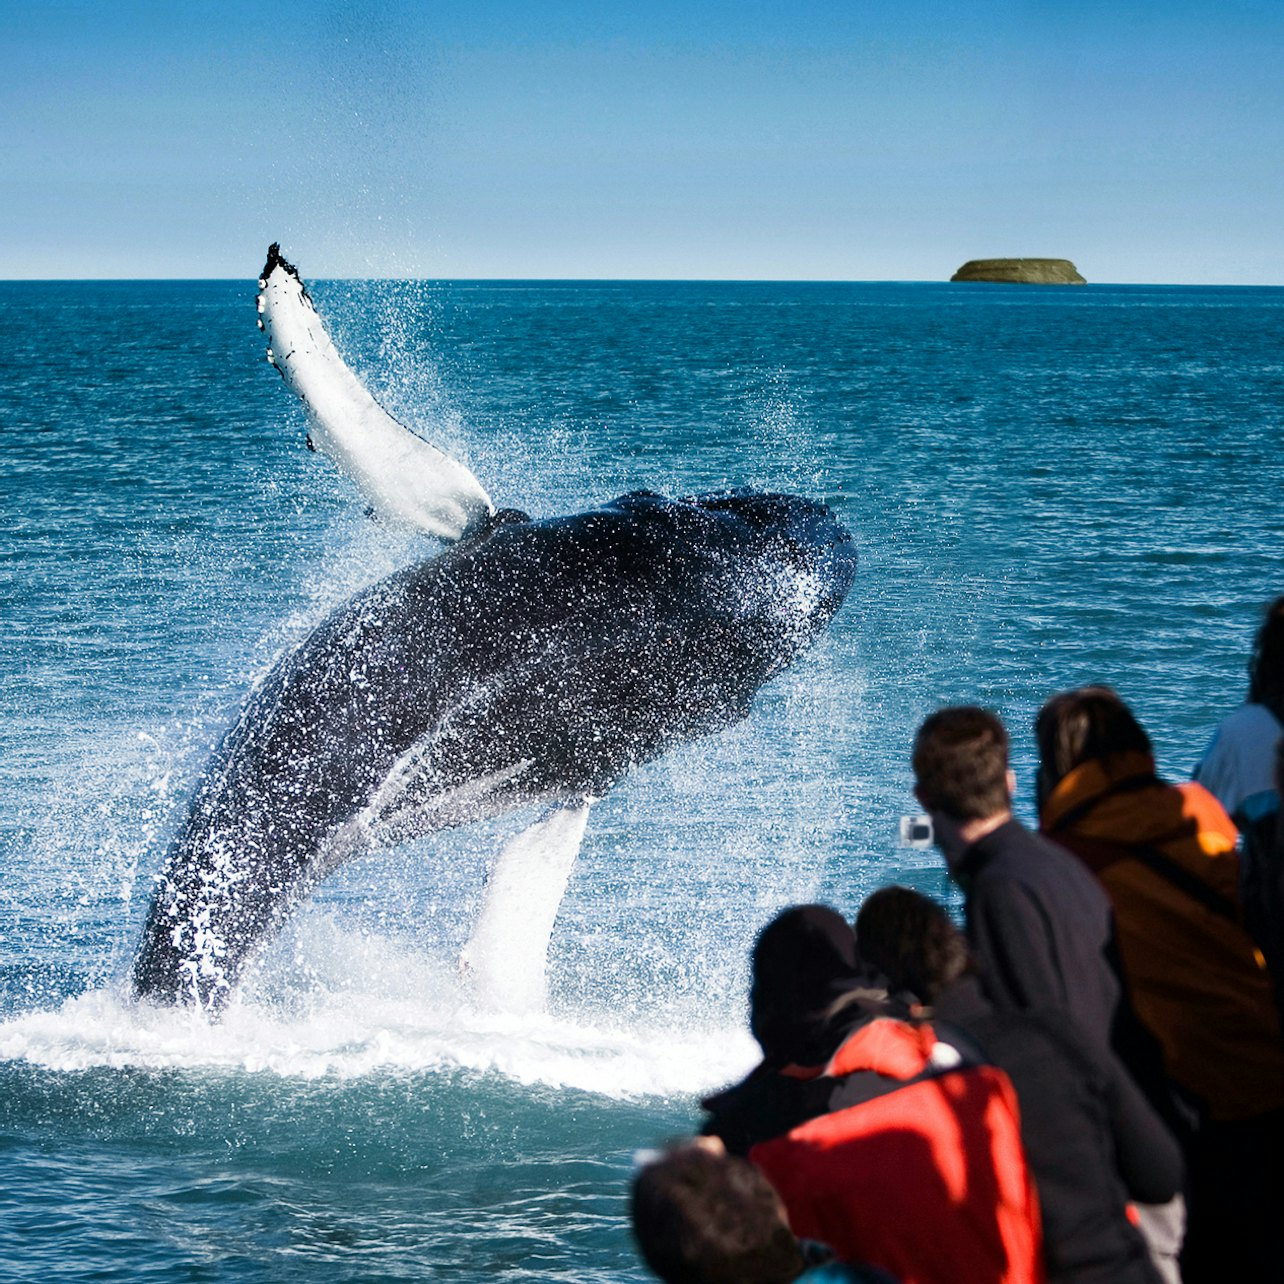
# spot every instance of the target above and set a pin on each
(1047, 487)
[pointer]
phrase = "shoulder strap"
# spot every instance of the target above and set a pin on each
(1128, 785)
(950, 1050)
(1181, 878)
(1154, 859)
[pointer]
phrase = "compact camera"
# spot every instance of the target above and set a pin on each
(916, 831)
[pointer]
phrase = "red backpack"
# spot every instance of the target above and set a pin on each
(924, 1176)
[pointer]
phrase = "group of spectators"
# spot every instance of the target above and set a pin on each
(1085, 1085)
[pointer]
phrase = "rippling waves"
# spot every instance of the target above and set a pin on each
(1047, 486)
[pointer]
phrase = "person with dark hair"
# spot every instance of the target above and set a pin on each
(883, 1140)
(802, 961)
(1239, 769)
(802, 968)
(909, 940)
(1166, 856)
(1092, 1141)
(1039, 924)
(701, 1216)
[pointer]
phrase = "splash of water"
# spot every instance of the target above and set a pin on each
(365, 1005)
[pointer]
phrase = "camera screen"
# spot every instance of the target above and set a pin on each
(916, 831)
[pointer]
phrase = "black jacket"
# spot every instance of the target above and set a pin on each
(1042, 929)
(1092, 1141)
(772, 1098)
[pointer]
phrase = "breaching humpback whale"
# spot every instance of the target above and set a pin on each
(529, 664)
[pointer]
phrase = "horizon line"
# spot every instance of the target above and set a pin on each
(642, 280)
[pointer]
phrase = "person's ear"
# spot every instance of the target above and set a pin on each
(1011, 783)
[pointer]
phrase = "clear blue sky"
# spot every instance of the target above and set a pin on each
(818, 139)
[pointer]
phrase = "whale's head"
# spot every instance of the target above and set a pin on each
(795, 564)
(804, 530)
(765, 571)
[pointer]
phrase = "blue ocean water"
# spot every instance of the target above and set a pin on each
(1047, 487)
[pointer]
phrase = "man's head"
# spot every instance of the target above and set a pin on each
(961, 765)
(701, 1216)
(912, 942)
(1081, 725)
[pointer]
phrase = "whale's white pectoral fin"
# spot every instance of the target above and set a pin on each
(508, 950)
(404, 477)
(407, 806)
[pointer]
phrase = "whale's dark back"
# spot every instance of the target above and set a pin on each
(535, 664)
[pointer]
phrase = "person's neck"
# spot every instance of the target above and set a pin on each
(972, 831)
(955, 838)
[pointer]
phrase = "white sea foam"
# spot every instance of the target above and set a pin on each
(405, 1014)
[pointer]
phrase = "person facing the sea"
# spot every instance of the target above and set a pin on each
(1166, 856)
(702, 1216)
(1092, 1141)
(802, 966)
(1239, 769)
(1039, 924)
(883, 1139)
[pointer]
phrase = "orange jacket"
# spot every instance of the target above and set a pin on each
(1196, 979)
(926, 1179)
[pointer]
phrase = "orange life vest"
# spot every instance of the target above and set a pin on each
(927, 1178)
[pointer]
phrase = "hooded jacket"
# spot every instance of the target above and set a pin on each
(1166, 857)
(802, 962)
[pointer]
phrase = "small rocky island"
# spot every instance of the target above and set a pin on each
(1020, 271)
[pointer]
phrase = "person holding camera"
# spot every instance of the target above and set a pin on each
(1039, 924)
